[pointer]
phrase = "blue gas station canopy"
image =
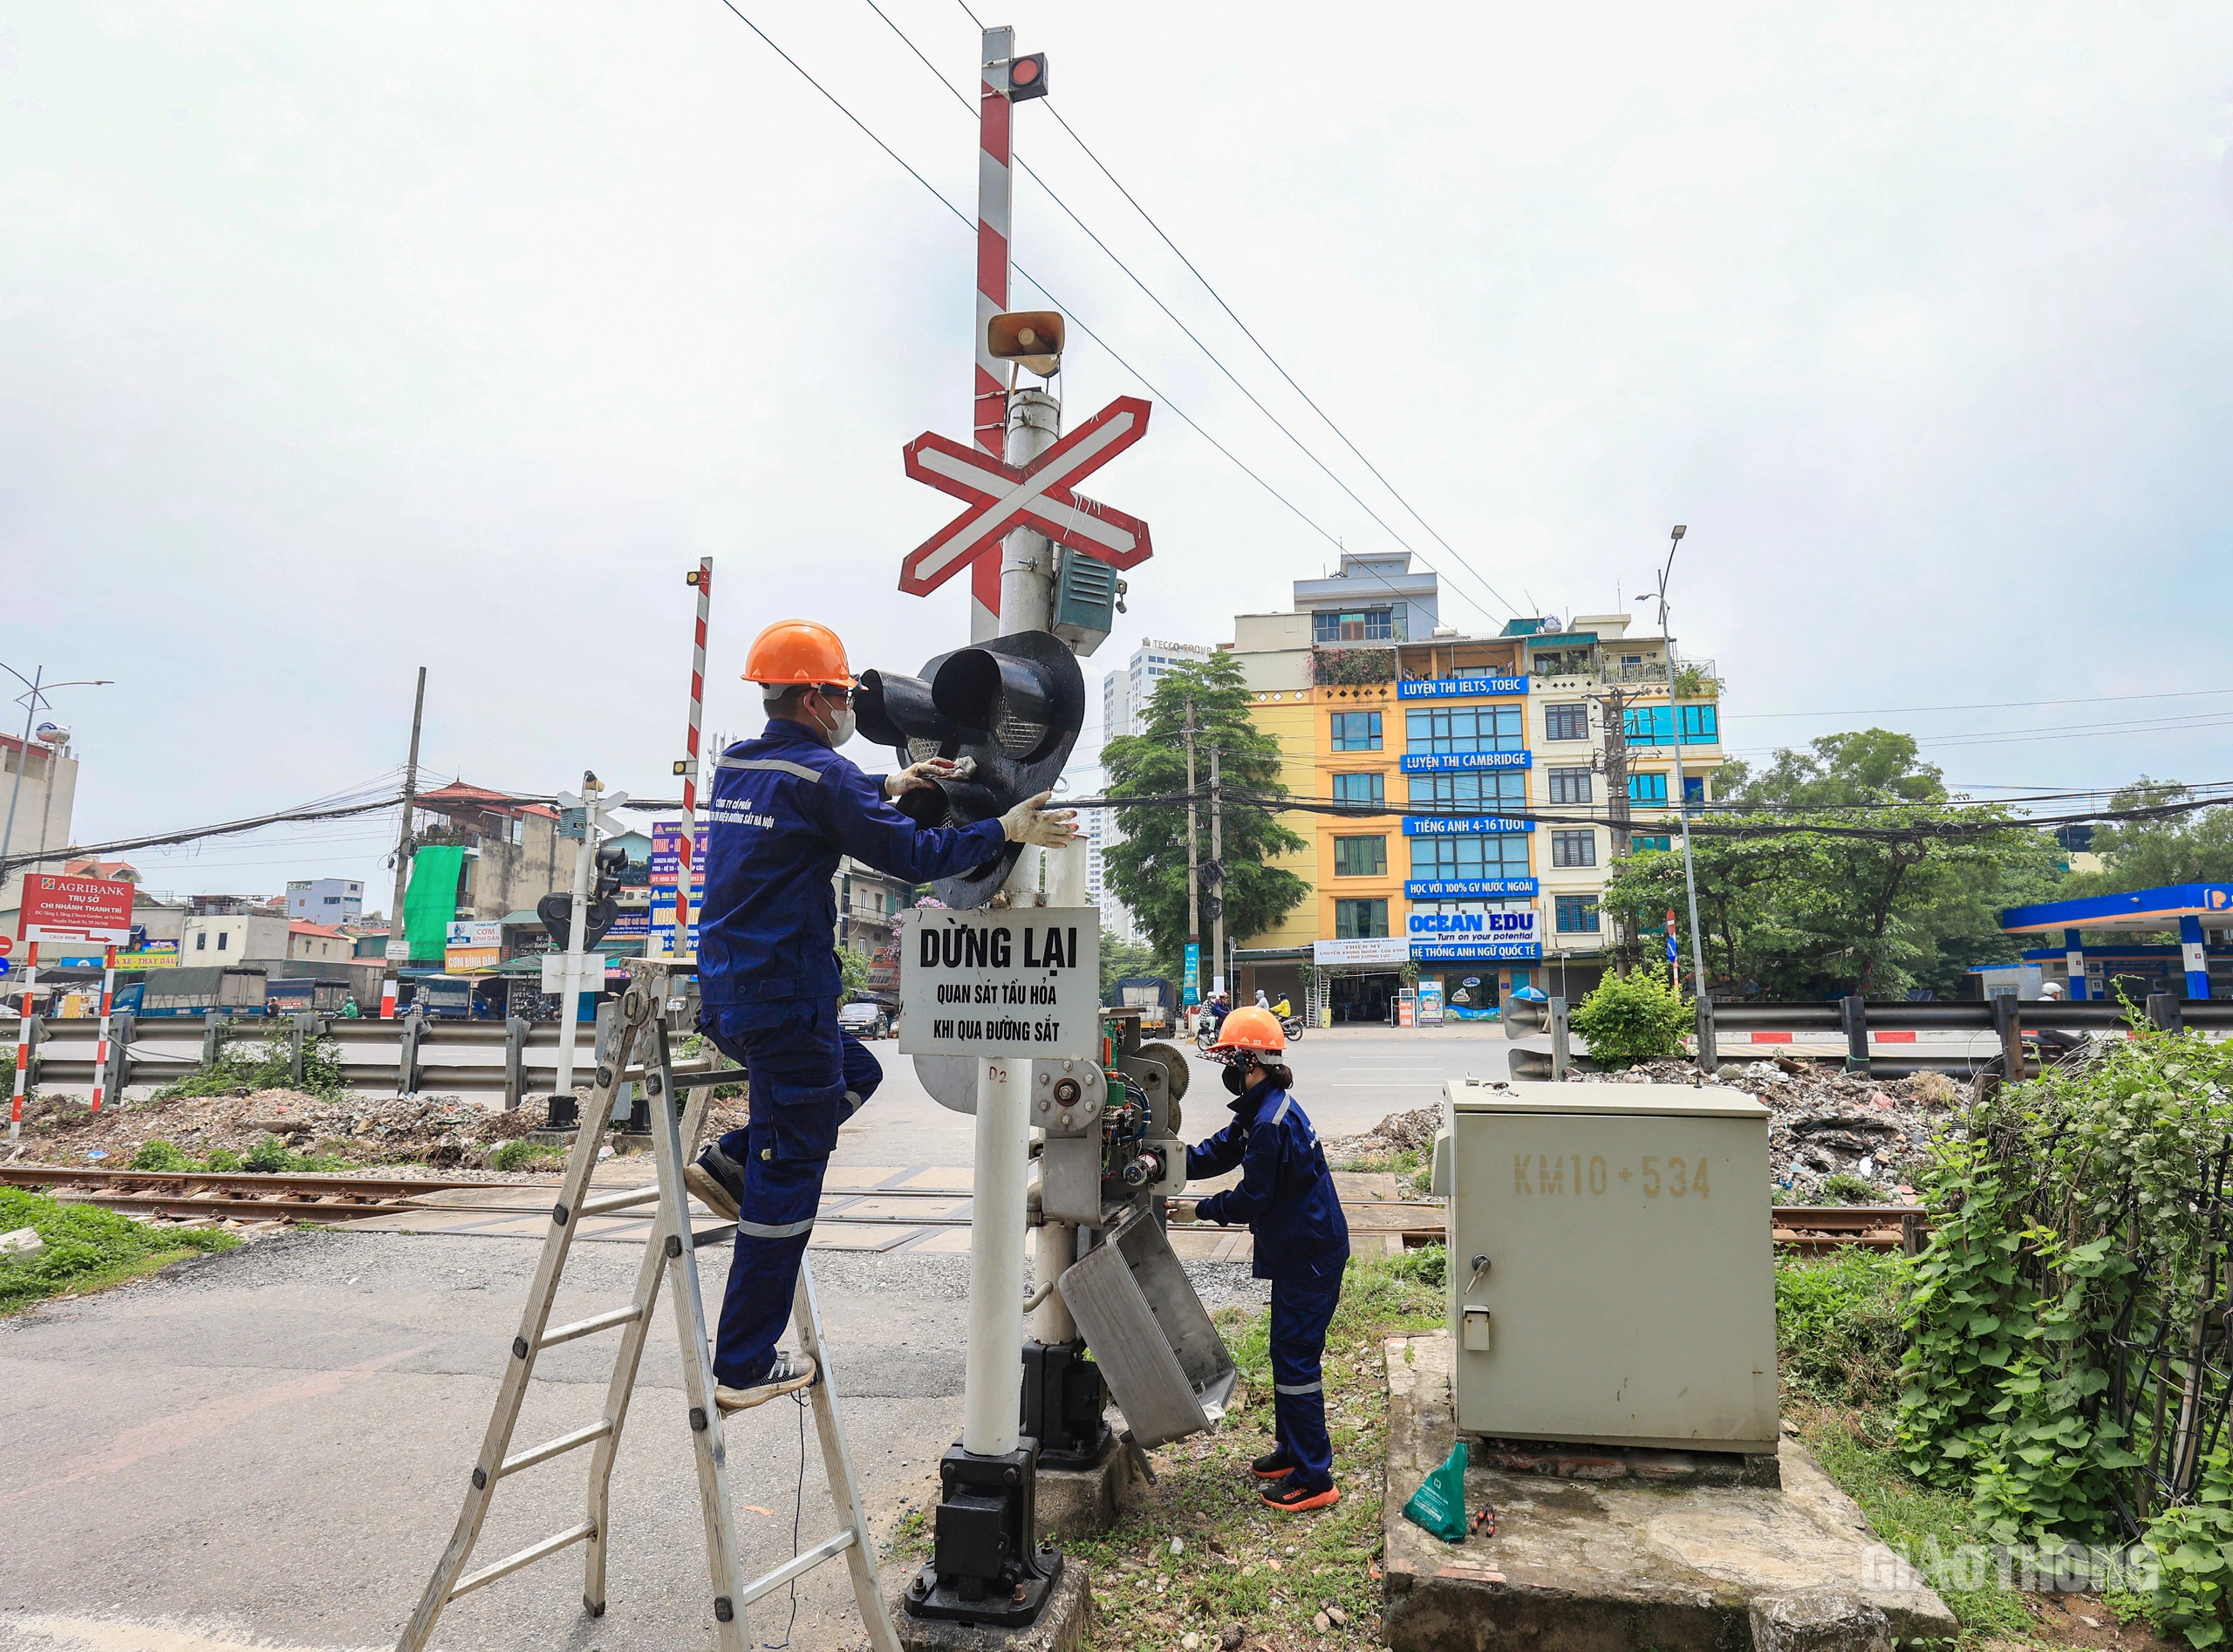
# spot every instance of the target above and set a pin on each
(2137, 909)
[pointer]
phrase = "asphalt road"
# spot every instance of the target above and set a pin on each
(1346, 1078)
(267, 1448)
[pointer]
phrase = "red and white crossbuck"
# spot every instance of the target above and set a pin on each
(1040, 495)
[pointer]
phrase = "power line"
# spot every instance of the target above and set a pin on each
(1264, 352)
(1992, 705)
(1109, 253)
(970, 223)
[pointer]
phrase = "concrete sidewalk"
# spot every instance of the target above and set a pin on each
(268, 1447)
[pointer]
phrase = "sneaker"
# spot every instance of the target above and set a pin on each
(791, 1372)
(1295, 1498)
(1273, 1465)
(718, 1180)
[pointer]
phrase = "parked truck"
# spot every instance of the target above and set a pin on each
(219, 990)
(1153, 997)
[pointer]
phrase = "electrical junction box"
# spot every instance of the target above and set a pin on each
(1611, 1274)
(1086, 590)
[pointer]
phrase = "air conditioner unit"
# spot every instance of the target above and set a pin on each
(1611, 1273)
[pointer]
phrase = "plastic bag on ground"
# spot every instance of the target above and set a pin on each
(1439, 1503)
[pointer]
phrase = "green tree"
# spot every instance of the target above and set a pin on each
(1804, 911)
(1121, 958)
(2195, 847)
(1149, 868)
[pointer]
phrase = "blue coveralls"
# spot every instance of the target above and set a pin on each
(782, 809)
(1302, 1242)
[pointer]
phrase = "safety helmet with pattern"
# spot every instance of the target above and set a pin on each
(1250, 1029)
(797, 651)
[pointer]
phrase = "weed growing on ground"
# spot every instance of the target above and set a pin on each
(266, 1063)
(87, 1247)
(1237, 1561)
(1838, 1325)
(1845, 1188)
(523, 1154)
(162, 1156)
(269, 1156)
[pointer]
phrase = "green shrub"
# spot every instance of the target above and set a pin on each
(271, 1156)
(221, 1158)
(86, 1245)
(1846, 1189)
(266, 1063)
(161, 1156)
(518, 1155)
(1642, 1017)
(1838, 1324)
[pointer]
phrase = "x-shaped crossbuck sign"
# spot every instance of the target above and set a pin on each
(1003, 496)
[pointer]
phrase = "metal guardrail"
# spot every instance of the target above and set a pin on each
(514, 1058)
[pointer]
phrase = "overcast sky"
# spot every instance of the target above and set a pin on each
(339, 340)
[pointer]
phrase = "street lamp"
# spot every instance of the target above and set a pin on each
(33, 703)
(1681, 806)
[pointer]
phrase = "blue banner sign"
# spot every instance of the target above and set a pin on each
(1461, 688)
(1468, 888)
(1512, 924)
(1461, 825)
(1443, 762)
(1471, 952)
(1193, 984)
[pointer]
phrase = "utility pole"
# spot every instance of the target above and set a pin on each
(1193, 861)
(569, 1001)
(1217, 859)
(398, 944)
(1707, 1054)
(1614, 762)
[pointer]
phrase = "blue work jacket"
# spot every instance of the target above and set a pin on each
(1286, 1194)
(782, 809)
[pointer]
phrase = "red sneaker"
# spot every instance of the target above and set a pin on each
(1295, 1499)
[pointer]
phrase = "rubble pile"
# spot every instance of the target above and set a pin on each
(1828, 1123)
(446, 1132)
(1410, 1132)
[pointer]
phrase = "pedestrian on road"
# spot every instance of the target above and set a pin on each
(1303, 1243)
(782, 809)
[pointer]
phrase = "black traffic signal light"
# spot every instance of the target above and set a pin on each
(1013, 705)
(556, 911)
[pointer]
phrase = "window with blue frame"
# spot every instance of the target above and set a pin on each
(1356, 731)
(1647, 788)
(1470, 728)
(1576, 914)
(1694, 793)
(1370, 790)
(1654, 725)
(1485, 855)
(1356, 625)
(1641, 841)
(1497, 792)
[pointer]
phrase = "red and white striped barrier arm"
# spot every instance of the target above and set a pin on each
(108, 1000)
(989, 404)
(23, 1043)
(686, 851)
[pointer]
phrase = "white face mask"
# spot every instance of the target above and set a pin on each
(841, 730)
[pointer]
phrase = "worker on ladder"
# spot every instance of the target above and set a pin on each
(781, 810)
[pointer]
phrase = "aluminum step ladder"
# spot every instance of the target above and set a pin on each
(642, 1030)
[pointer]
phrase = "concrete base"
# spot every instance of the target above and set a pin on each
(1073, 1503)
(1061, 1626)
(1626, 1463)
(1606, 1565)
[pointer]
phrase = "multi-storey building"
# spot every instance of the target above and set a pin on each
(1124, 696)
(1433, 739)
(328, 901)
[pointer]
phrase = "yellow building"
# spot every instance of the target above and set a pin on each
(1446, 732)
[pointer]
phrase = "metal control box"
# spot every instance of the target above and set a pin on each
(1611, 1275)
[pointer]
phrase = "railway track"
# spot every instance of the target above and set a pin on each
(249, 1196)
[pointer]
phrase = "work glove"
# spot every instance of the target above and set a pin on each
(1031, 822)
(1178, 1210)
(928, 772)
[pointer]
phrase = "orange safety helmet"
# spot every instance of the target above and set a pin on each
(797, 651)
(1251, 1028)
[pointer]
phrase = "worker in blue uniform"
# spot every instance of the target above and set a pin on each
(781, 810)
(1286, 1198)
